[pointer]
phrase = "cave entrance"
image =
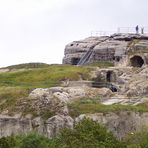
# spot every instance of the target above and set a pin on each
(136, 61)
(109, 76)
(75, 61)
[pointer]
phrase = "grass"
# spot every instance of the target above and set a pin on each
(134, 51)
(28, 66)
(145, 50)
(93, 106)
(15, 85)
(43, 77)
(10, 95)
(102, 64)
(133, 42)
(131, 52)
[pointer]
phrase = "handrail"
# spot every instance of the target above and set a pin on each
(86, 56)
(118, 30)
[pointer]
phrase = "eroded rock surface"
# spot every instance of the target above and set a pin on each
(120, 123)
(112, 48)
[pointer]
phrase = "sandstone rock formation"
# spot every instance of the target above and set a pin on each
(120, 123)
(108, 48)
(50, 128)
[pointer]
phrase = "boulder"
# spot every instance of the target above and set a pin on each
(56, 123)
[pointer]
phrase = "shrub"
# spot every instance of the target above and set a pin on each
(87, 134)
(8, 142)
(35, 140)
(137, 140)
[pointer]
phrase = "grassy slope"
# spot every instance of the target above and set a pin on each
(17, 84)
(28, 66)
(92, 105)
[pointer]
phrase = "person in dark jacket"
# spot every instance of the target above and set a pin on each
(137, 29)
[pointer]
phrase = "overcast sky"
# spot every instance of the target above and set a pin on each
(38, 30)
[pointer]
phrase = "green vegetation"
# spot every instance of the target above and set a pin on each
(28, 66)
(43, 77)
(137, 139)
(133, 42)
(141, 51)
(102, 64)
(86, 134)
(15, 85)
(145, 50)
(91, 105)
(10, 95)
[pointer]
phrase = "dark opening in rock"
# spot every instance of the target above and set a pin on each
(104, 84)
(136, 61)
(117, 59)
(108, 76)
(75, 61)
(112, 88)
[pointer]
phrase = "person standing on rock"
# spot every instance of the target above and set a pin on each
(137, 29)
(142, 30)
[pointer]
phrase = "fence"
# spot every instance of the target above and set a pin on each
(120, 30)
(132, 30)
(102, 33)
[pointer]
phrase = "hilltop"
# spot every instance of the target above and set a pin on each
(117, 49)
(111, 88)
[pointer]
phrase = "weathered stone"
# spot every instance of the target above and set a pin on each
(112, 48)
(50, 128)
(120, 123)
(12, 125)
(56, 123)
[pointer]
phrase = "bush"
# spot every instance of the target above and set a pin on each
(137, 140)
(87, 134)
(34, 140)
(8, 142)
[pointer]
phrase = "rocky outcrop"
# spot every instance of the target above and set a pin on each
(56, 123)
(132, 90)
(137, 85)
(50, 128)
(49, 101)
(120, 123)
(14, 125)
(107, 48)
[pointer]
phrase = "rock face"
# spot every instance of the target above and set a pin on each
(120, 123)
(108, 48)
(137, 85)
(53, 100)
(13, 125)
(50, 128)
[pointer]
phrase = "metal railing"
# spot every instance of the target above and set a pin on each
(120, 30)
(132, 30)
(102, 33)
(86, 56)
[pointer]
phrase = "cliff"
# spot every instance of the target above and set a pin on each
(112, 48)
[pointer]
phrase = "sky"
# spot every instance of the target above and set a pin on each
(38, 30)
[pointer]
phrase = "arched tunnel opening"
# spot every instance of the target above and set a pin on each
(75, 61)
(136, 61)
